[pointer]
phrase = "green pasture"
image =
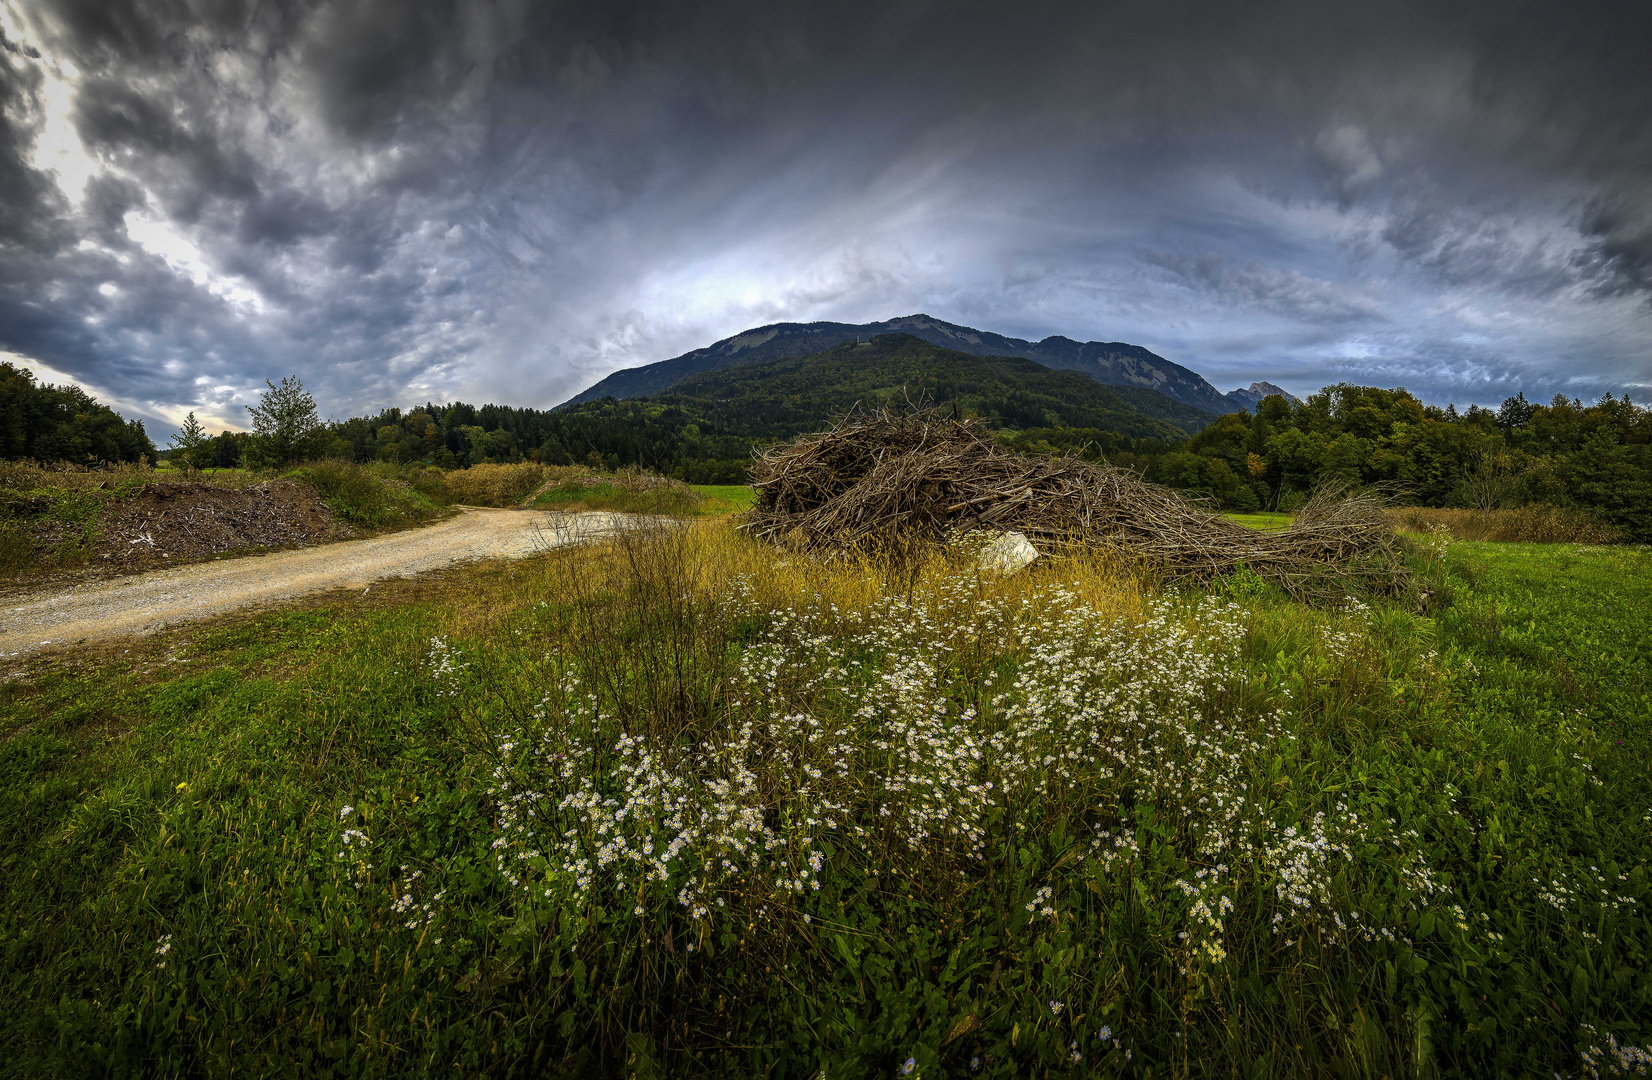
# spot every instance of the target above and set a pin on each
(726, 498)
(1261, 520)
(273, 844)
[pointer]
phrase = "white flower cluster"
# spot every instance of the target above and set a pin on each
(354, 845)
(1307, 862)
(1206, 920)
(1347, 636)
(1438, 541)
(422, 914)
(1560, 894)
(1615, 1058)
(446, 666)
(856, 735)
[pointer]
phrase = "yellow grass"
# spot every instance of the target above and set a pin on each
(1527, 524)
(496, 485)
(714, 555)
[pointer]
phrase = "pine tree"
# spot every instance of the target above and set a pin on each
(285, 427)
(191, 445)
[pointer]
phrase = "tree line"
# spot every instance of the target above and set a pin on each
(63, 423)
(1563, 453)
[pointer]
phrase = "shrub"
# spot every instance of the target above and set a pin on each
(497, 484)
(368, 496)
(285, 427)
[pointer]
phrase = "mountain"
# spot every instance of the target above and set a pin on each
(1252, 397)
(785, 397)
(1112, 363)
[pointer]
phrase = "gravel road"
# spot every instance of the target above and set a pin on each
(146, 602)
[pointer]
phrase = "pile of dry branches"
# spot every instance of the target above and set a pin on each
(884, 481)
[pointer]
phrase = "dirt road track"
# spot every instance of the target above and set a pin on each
(146, 602)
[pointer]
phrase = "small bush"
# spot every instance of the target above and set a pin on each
(46, 528)
(497, 485)
(1540, 524)
(368, 496)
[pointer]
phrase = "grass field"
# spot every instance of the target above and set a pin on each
(680, 806)
(1261, 520)
(726, 498)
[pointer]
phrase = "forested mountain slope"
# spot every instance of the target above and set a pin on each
(1113, 363)
(785, 397)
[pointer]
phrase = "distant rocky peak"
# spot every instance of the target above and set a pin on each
(1251, 396)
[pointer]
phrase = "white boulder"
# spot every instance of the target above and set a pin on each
(1010, 553)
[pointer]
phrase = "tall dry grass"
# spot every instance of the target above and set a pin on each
(510, 485)
(34, 476)
(706, 557)
(499, 485)
(1540, 524)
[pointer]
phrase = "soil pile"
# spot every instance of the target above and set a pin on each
(886, 481)
(167, 522)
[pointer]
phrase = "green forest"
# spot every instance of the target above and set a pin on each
(1564, 453)
(703, 430)
(63, 423)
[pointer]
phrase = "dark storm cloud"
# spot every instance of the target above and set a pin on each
(1618, 257)
(506, 200)
(28, 200)
(1259, 288)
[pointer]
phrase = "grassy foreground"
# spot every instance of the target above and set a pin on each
(678, 805)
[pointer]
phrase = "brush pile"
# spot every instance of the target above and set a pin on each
(886, 481)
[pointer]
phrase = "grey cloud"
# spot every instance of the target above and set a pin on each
(1259, 288)
(1618, 255)
(130, 31)
(29, 202)
(1526, 255)
(509, 199)
(1347, 149)
(193, 165)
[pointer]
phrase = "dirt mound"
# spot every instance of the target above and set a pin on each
(887, 480)
(167, 522)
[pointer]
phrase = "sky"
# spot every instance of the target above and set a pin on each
(403, 201)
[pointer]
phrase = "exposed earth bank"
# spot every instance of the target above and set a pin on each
(146, 602)
(185, 521)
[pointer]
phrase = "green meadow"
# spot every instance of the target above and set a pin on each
(680, 805)
(1263, 520)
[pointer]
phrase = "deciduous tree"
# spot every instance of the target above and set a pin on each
(285, 427)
